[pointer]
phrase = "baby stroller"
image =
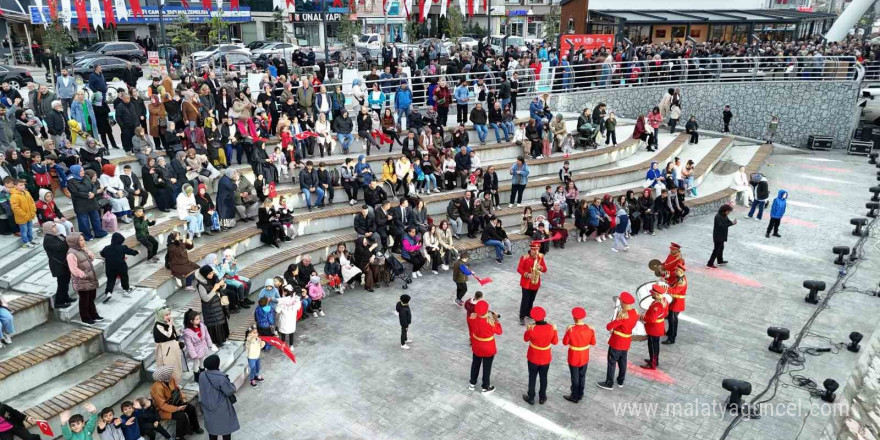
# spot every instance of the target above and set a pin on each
(396, 270)
(587, 136)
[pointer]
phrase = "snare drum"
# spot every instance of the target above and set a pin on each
(643, 296)
(638, 333)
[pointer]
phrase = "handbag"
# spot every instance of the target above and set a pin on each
(162, 121)
(205, 172)
(176, 399)
(224, 300)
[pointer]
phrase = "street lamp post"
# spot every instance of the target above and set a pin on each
(326, 36)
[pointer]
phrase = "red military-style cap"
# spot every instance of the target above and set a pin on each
(657, 288)
(627, 298)
(481, 308)
(538, 314)
(578, 313)
(535, 245)
(674, 245)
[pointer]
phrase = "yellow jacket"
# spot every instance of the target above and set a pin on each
(253, 347)
(23, 206)
(389, 173)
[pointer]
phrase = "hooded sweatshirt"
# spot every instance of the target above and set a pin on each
(114, 254)
(778, 208)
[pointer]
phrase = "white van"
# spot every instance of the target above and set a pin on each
(499, 44)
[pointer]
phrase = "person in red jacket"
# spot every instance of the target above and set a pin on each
(541, 336)
(483, 325)
(621, 337)
(654, 319)
(678, 292)
(578, 337)
(530, 280)
(673, 260)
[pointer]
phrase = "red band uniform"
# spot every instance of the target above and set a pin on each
(530, 285)
(655, 327)
(678, 291)
(540, 336)
(578, 337)
(673, 260)
(618, 344)
(483, 329)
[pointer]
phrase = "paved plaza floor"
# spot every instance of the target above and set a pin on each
(352, 381)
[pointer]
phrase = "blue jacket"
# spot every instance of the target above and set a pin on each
(97, 83)
(403, 99)
(79, 115)
(536, 110)
(622, 223)
(263, 318)
(595, 214)
(375, 103)
(65, 92)
(520, 175)
(461, 94)
(778, 208)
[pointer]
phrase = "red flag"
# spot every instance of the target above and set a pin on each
(337, 3)
(385, 139)
(289, 4)
(82, 18)
(109, 18)
(352, 6)
(470, 5)
(53, 9)
(136, 8)
(233, 4)
(486, 7)
(208, 5)
(483, 281)
(422, 10)
(185, 4)
(45, 428)
(277, 343)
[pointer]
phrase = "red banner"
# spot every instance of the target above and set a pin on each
(233, 4)
(82, 18)
(571, 44)
(185, 4)
(109, 18)
(422, 7)
(53, 9)
(136, 8)
(470, 6)
(208, 5)
(281, 345)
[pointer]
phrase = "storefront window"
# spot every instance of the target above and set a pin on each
(536, 29)
(570, 25)
(678, 32)
(514, 28)
(306, 34)
(638, 33)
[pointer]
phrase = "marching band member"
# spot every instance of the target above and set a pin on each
(541, 336)
(578, 337)
(530, 268)
(621, 337)
(672, 261)
(483, 326)
(678, 292)
(654, 319)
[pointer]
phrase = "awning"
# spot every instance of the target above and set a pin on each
(13, 11)
(669, 16)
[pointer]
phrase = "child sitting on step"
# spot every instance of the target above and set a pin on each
(333, 270)
(316, 293)
(109, 426)
(148, 420)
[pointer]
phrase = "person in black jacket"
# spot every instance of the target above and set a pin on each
(365, 129)
(308, 182)
(325, 180)
(535, 139)
(719, 235)
(374, 194)
(128, 118)
(56, 123)
(490, 185)
(84, 195)
(383, 217)
(343, 126)
(403, 219)
(56, 250)
(115, 265)
(494, 235)
(16, 421)
(468, 215)
(365, 223)
(661, 209)
(133, 187)
(405, 316)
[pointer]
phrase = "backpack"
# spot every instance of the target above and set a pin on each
(43, 180)
(335, 177)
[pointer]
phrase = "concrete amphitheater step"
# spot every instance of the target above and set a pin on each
(101, 381)
(29, 310)
(44, 352)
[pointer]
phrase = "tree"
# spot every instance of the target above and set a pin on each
(551, 24)
(57, 38)
(278, 32)
(181, 35)
(412, 30)
(347, 31)
(216, 27)
(454, 24)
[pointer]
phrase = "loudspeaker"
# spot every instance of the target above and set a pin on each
(860, 148)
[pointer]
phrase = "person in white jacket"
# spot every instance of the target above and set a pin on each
(188, 209)
(741, 185)
(404, 170)
(325, 138)
(287, 309)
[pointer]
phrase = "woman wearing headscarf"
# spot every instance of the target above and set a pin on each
(272, 231)
(226, 188)
(211, 292)
(85, 279)
(229, 271)
(157, 186)
(640, 132)
(556, 217)
(143, 146)
(114, 188)
(172, 405)
(245, 199)
(654, 179)
(177, 260)
(189, 210)
(236, 293)
(56, 251)
(158, 119)
(209, 212)
(216, 393)
(91, 155)
(167, 343)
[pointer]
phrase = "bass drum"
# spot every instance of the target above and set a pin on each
(643, 296)
(638, 333)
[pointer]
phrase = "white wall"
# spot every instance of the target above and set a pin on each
(677, 4)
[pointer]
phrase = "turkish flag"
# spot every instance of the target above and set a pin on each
(470, 11)
(185, 4)
(109, 18)
(82, 18)
(45, 428)
(382, 136)
(281, 345)
(337, 3)
(207, 4)
(483, 281)
(233, 4)
(136, 8)
(53, 9)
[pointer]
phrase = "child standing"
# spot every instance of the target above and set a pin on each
(115, 265)
(620, 231)
(142, 233)
(405, 316)
(25, 211)
(777, 210)
(460, 274)
(691, 128)
(75, 427)
(727, 115)
(771, 130)
(674, 116)
(289, 307)
(316, 293)
(110, 427)
(611, 129)
(148, 419)
(254, 346)
(280, 161)
(197, 341)
(333, 270)
(264, 316)
(130, 428)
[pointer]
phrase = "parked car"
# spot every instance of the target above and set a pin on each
(468, 43)
(232, 60)
(112, 67)
(121, 49)
(210, 51)
(256, 44)
(15, 76)
(500, 43)
(274, 48)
